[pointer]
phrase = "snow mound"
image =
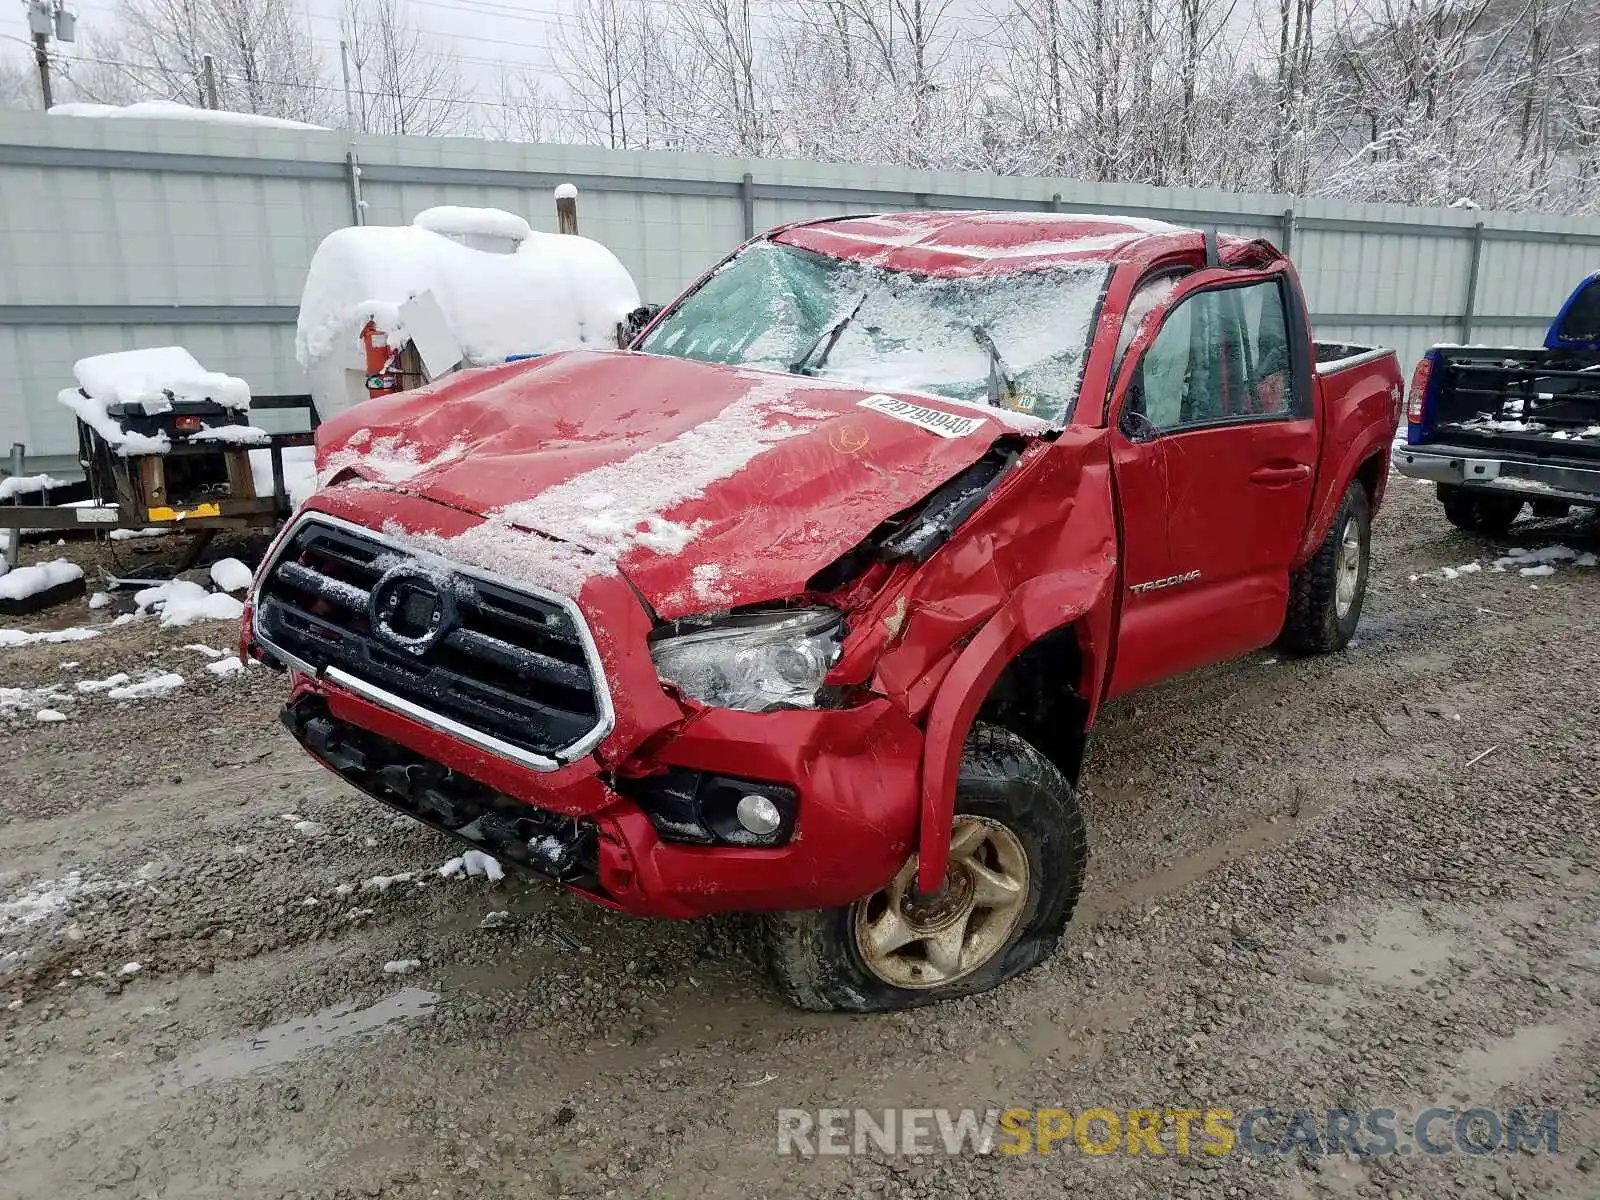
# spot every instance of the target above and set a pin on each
(231, 575)
(553, 292)
(144, 377)
(401, 966)
(49, 714)
(129, 535)
(226, 666)
(448, 219)
(474, 863)
(181, 602)
(156, 685)
(103, 685)
(169, 110)
(22, 582)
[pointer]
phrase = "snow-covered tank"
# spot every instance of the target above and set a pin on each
(467, 286)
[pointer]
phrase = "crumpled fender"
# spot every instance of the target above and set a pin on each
(1082, 597)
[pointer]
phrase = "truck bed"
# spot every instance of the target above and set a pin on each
(1535, 401)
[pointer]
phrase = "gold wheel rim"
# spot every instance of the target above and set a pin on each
(926, 945)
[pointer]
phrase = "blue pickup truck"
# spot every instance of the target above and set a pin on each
(1498, 428)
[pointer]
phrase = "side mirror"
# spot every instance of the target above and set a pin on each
(634, 323)
(1133, 424)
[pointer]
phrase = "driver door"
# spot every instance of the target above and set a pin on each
(1214, 444)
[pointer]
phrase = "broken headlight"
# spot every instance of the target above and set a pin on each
(752, 661)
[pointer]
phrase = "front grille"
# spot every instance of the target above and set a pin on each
(502, 662)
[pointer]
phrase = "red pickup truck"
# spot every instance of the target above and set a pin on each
(806, 604)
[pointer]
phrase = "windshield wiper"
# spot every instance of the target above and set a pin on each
(827, 339)
(998, 371)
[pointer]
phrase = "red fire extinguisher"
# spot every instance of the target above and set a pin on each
(382, 363)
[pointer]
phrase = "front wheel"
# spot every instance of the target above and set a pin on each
(1017, 859)
(1326, 594)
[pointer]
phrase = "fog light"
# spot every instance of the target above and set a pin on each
(758, 814)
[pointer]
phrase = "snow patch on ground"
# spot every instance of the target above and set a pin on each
(50, 714)
(226, 666)
(102, 685)
(181, 602)
(382, 883)
(40, 901)
(21, 637)
(474, 863)
(145, 689)
(401, 966)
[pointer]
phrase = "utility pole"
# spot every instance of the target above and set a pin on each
(41, 55)
(48, 19)
(344, 65)
(210, 63)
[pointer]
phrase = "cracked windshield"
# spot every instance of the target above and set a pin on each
(1014, 340)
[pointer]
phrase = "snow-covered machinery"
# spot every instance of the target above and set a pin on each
(387, 308)
(163, 441)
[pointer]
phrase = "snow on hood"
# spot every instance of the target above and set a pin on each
(698, 482)
(552, 292)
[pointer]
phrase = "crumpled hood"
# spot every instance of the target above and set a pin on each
(710, 486)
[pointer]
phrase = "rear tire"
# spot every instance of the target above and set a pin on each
(1476, 511)
(1011, 892)
(1326, 594)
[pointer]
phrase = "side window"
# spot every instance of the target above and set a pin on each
(1221, 356)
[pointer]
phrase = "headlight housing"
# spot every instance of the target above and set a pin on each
(753, 662)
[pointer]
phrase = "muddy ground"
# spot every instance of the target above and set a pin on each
(1305, 893)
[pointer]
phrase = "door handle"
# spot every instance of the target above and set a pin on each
(1280, 476)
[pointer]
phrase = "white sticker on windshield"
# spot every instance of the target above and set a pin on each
(934, 420)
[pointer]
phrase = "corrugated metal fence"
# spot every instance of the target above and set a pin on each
(127, 233)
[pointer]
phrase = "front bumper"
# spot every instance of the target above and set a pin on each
(1530, 478)
(854, 770)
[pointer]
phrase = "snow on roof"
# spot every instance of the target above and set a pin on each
(168, 110)
(554, 292)
(491, 222)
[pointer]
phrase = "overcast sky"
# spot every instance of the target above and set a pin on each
(484, 33)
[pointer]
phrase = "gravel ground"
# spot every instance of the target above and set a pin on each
(1303, 894)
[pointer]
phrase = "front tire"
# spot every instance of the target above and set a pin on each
(1473, 510)
(1018, 854)
(1325, 595)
